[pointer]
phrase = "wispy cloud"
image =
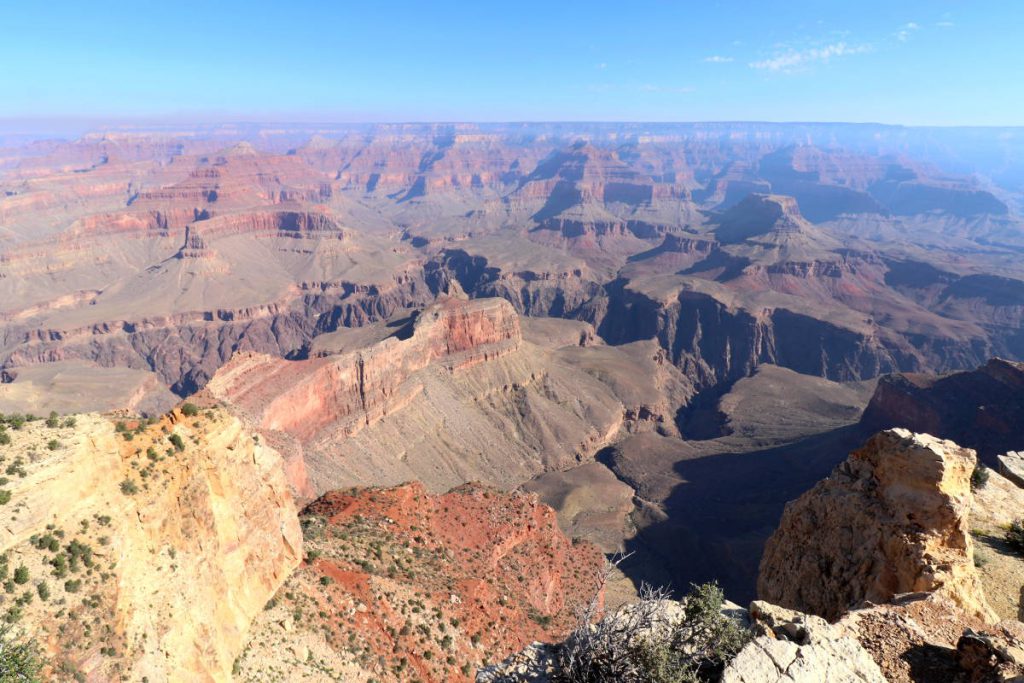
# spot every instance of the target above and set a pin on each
(945, 24)
(903, 35)
(602, 66)
(717, 59)
(794, 60)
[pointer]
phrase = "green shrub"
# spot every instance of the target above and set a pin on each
(43, 590)
(5, 438)
(1015, 536)
(177, 442)
(189, 410)
(637, 645)
(53, 444)
(5, 496)
(70, 423)
(21, 575)
(129, 487)
(979, 477)
(53, 421)
(19, 658)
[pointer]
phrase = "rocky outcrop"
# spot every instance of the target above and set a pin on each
(399, 582)
(448, 399)
(799, 648)
(1011, 466)
(982, 409)
(892, 519)
(356, 389)
(159, 543)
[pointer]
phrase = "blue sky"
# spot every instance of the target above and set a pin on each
(940, 62)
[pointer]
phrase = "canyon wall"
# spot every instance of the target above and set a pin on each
(356, 389)
(152, 546)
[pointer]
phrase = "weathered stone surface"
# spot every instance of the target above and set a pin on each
(799, 648)
(484, 572)
(891, 519)
(181, 561)
(994, 657)
(1011, 466)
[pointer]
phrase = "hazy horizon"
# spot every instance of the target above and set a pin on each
(914, 64)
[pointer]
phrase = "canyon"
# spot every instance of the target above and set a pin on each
(426, 377)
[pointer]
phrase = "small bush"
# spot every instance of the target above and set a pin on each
(5, 496)
(129, 487)
(5, 438)
(19, 659)
(640, 645)
(1015, 536)
(43, 590)
(177, 442)
(53, 420)
(979, 477)
(190, 410)
(53, 444)
(70, 423)
(21, 574)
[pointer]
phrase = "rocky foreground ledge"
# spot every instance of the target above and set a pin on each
(874, 570)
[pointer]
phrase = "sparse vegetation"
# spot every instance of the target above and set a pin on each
(19, 658)
(644, 643)
(189, 410)
(129, 487)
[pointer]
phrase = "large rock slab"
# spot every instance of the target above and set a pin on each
(1011, 466)
(799, 648)
(891, 519)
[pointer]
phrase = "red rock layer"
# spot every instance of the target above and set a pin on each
(356, 389)
(485, 572)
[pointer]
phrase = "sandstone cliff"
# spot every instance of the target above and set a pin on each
(892, 519)
(150, 546)
(456, 396)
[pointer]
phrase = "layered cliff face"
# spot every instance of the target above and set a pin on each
(892, 519)
(399, 584)
(354, 390)
(449, 395)
(148, 547)
(982, 408)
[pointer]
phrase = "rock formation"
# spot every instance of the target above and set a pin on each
(151, 546)
(1011, 466)
(449, 395)
(400, 583)
(798, 648)
(892, 519)
(981, 409)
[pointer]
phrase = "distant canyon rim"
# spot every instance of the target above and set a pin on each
(666, 331)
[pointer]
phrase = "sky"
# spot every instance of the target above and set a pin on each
(935, 62)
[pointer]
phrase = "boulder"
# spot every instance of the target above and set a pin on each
(799, 648)
(891, 519)
(1011, 466)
